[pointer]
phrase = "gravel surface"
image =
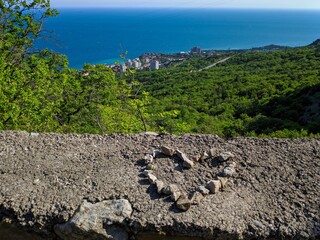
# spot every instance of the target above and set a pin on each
(275, 193)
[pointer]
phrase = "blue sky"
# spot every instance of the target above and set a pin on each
(296, 4)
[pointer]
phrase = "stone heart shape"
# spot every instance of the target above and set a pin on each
(175, 175)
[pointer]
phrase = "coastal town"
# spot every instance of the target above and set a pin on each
(156, 61)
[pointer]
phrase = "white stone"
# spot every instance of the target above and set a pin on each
(223, 157)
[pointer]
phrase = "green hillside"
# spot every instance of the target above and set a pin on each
(260, 92)
(253, 93)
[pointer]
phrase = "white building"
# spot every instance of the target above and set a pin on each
(129, 63)
(154, 65)
(123, 68)
(136, 63)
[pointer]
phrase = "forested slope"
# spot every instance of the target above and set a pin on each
(253, 93)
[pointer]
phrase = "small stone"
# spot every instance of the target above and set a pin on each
(223, 157)
(181, 155)
(183, 203)
(34, 134)
(150, 133)
(156, 153)
(214, 186)
(204, 156)
(230, 170)
(203, 190)
(212, 152)
(160, 186)
(175, 196)
(196, 158)
(148, 159)
(223, 181)
(167, 151)
(150, 167)
(188, 164)
(171, 189)
(147, 172)
(36, 181)
(196, 198)
(152, 178)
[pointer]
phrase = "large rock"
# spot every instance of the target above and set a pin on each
(103, 220)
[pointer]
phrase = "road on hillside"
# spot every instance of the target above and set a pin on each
(215, 64)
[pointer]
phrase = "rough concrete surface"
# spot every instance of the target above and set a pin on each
(45, 178)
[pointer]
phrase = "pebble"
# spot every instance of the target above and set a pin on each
(187, 163)
(204, 156)
(171, 189)
(147, 172)
(223, 181)
(160, 186)
(223, 157)
(175, 196)
(214, 186)
(150, 167)
(183, 203)
(152, 178)
(196, 198)
(148, 159)
(212, 152)
(203, 190)
(167, 151)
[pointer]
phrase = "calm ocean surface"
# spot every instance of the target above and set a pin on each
(101, 35)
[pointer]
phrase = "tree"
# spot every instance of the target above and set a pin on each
(21, 24)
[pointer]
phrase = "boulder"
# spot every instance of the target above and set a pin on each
(103, 220)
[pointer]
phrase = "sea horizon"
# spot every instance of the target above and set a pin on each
(101, 35)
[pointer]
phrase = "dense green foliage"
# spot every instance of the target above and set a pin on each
(38, 92)
(251, 94)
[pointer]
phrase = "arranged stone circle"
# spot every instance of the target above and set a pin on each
(182, 200)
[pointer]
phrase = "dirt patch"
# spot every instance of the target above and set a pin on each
(274, 194)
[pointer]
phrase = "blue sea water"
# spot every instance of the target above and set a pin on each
(101, 35)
